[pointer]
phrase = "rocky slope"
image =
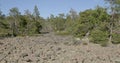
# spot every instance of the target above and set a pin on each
(50, 48)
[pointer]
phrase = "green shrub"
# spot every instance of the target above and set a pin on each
(84, 43)
(116, 38)
(62, 33)
(104, 44)
(80, 30)
(4, 32)
(99, 37)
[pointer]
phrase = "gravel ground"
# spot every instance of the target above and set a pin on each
(49, 48)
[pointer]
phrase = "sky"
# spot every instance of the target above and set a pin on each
(48, 7)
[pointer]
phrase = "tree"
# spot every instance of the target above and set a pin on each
(52, 22)
(69, 23)
(30, 22)
(3, 25)
(93, 24)
(37, 19)
(36, 13)
(2, 19)
(73, 14)
(14, 23)
(114, 8)
(23, 29)
(71, 19)
(2, 16)
(58, 22)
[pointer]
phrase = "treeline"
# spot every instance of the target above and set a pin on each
(17, 24)
(101, 25)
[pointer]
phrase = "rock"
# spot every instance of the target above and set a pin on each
(58, 49)
(3, 61)
(24, 55)
(42, 49)
(1, 43)
(37, 54)
(117, 61)
(28, 60)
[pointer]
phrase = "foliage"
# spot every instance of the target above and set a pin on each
(114, 8)
(89, 20)
(62, 33)
(116, 38)
(100, 24)
(16, 24)
(58, 22)
(99, 37)
(116, 34)
(37, 18)
(80, 30)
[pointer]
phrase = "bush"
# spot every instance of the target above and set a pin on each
(99, 37)
(116, 38)
(4, 32)
(62, 33)
(84, 43)
(80, 30)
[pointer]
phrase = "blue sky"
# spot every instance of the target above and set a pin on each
(47, 7)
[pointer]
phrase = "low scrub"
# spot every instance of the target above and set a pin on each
(99, 37)
(116, 38)
(62, 33)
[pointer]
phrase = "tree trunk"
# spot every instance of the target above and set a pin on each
(111, 26)
(111, 32)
